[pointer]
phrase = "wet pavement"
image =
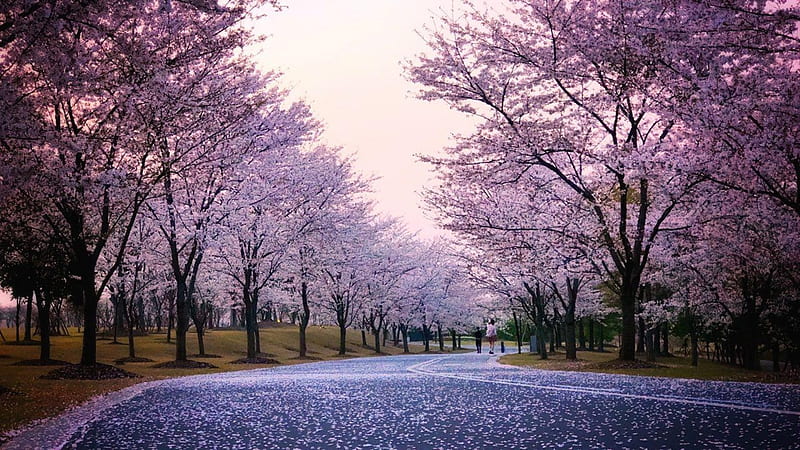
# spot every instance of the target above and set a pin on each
(461, 401)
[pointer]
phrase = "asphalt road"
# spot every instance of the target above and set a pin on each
(462, 401)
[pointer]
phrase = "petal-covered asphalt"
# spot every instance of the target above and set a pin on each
(462, 401)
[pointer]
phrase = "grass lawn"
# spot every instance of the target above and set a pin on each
(33, 398)
(671, 367)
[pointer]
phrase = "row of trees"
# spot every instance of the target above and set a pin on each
(630, 157)
(147, 163)
(639, 156)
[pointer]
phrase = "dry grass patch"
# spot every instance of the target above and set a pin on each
(94, 373)
(188, 364)
(135, 359)
(258, 359)
(306, 358)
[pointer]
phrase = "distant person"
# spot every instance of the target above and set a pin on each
(478, 335)
(491, 335)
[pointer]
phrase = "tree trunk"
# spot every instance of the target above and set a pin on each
(201, 345)
(303, 345)
(641, 338)
(43, 307)
(591, 334)
(141, 325)
(538, 305)
(303, 318)
(581, 335)
(89, 345)
(541, 337)
(115, 322)
(665, 339)
(131, 347)
(573, 287)
(426, 337)
(453, 338)
(441, 336)
(651, 344)
(17, 322)
(342, 339)
(776, 356)
(256, 332)
(120, 312)
(601, 339)
(170, 322)
(28, 317)
(377, 329)
(627, 351)
(558, 328)
(569, 332)
(182, 321)
(404, 333)
(749, 335)
(159, 318)
(250, 322)
(518, 331)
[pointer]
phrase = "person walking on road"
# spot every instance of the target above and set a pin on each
(478, 335)
(491, 335)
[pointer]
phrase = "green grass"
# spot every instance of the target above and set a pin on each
(34, 398)
(670, 367)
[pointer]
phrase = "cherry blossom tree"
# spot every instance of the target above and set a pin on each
(589, 96)
(343, 281)
(89, 85)
(328, 222)
(544, 238)
(436, 296)
(732, 77)
(736, 269)
(407, 307)
(35, 266)
(390, 262)
(137, 274)
(295, 201)
(204, 177)
(329, 189)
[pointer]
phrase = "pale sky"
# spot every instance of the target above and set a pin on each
(343, 57)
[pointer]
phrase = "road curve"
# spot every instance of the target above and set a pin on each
(428, 401)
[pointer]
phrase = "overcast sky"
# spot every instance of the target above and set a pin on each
(344, 58)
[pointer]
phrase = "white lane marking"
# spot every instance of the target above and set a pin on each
(421, 369)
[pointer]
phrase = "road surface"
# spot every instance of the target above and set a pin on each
(462, 401)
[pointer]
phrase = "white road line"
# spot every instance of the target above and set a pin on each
(421, 369)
